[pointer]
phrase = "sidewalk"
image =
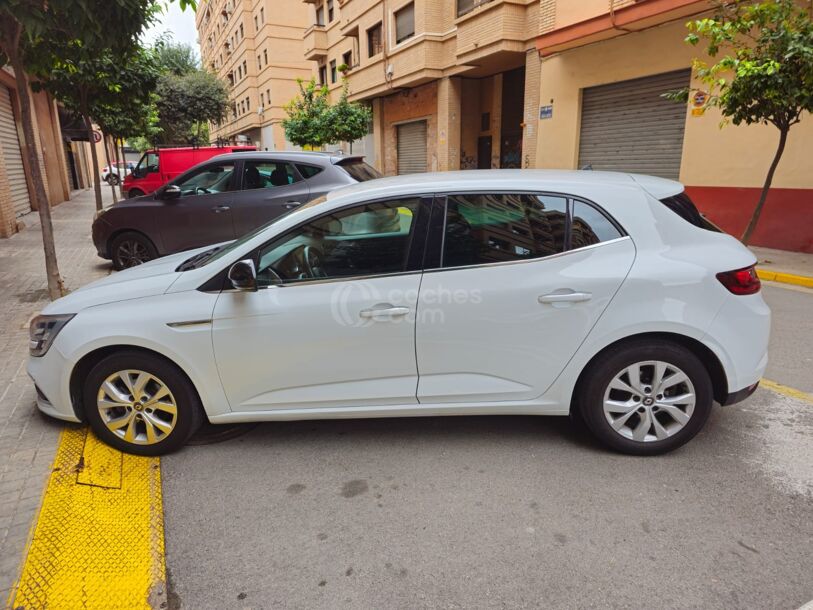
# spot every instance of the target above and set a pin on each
(27, 439)
(799, 265)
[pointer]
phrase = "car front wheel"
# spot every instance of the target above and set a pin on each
(646, 398)
(131, 249)
(141, 404)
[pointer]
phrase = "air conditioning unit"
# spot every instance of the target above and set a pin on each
(260, 110)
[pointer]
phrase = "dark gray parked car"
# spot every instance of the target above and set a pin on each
(219, 200)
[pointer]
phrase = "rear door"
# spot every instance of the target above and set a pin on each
(518, 282)
(269, 189)
(202, 215)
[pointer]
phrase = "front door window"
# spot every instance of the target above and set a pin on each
(208, 180)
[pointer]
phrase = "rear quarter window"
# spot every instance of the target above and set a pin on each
(682, 205)
(359, 170)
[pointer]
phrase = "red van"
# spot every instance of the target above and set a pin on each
(159, 166)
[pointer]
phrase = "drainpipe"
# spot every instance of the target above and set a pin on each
(612, 19)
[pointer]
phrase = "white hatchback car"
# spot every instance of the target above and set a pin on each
(482, 292)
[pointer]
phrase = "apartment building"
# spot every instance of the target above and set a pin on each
(255, 46)
(603, 68)
(452, 83)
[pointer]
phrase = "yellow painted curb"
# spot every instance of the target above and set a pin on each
(785, 278)
(786, 390)
(99, 539)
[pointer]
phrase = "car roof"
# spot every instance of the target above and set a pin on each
(320, 158)
(567, 181)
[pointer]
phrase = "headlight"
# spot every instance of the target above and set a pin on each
(43, 331)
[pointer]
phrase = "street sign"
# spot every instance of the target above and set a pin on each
(97, 136)
(546, 112)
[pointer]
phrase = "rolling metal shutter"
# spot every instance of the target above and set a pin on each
(629, 127)
(412, 148)
(13, 158)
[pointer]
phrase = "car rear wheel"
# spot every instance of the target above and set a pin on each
(646, 398)
(131, 249)
(113, 179)
(141, 404)
(135, 193)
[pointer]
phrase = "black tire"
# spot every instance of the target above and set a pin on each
(596, 380)
(189, 415)
(135, 193)
(130, 249)
(113, 179)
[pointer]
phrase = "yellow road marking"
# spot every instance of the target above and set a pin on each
(785, 278)
(99, 538)
(786, 390)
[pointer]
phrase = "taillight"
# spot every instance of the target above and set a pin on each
(741, 281)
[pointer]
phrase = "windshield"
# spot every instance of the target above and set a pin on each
(359, 170)
(213, 254)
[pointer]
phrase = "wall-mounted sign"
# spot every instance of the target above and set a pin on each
(699, 99)
(545, 112)
(97, 136)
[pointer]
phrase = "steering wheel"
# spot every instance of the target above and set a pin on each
(312, 259)
(199, 190)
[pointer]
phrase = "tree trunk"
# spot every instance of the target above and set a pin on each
(97, 181)
(117, 161)
(106, 141)
(56, 288)
(752, 224)
(123, 160)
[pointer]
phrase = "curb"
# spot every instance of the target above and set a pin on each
(785, 278)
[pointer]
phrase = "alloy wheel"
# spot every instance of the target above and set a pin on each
(131, 253)
(137, 407)
(649, 401)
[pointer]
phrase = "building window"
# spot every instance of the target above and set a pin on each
(374, 40)
(320, 15)
(256, 24)
(259, 63)
(262, 99)
(241, 31)
(466, 6)
(262, 15)
(405, 23)
(248, 104)
(347, 59)
(329, 11)
(265, 56)
(268, 95)
(322, 75)
(333, 71)
(245, 69)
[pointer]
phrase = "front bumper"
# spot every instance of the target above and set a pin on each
(51, 376)
(100, 232)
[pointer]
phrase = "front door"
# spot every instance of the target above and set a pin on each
(270, 189)
(333, 322)
(202, 215)
(522, 280)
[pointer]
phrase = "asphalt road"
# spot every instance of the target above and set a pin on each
(496, 512)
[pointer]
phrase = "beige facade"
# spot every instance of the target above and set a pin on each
(467, 68)
(255, 46)
(62, 163)
(583, 47)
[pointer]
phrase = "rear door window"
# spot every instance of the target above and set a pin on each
(268, 174)
(589, 226)
(308, 171)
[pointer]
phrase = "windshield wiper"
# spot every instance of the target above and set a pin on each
(198, 259)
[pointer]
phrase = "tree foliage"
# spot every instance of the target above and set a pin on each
(306, 123)
(763, 69)
(179, 59)
(313, 121)
(186, 103)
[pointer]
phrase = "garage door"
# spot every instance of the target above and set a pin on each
(412, 148)
(629, 127)
(12, 156)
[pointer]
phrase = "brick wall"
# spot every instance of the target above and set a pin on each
(413, 104)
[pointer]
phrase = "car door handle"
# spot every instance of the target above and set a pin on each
(220, 208)
(290, 205)
(565, 296)
(383, 311)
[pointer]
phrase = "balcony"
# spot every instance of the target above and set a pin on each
(315, 43)
(492, 28)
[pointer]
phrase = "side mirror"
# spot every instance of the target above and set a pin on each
(173, 191)
(243, 275)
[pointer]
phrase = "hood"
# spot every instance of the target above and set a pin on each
(146, 280)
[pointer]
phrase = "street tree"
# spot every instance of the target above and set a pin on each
(347, 121)
(179, 59)
(187, 103)
(762, 71)
(308, 115)
(100, 24)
